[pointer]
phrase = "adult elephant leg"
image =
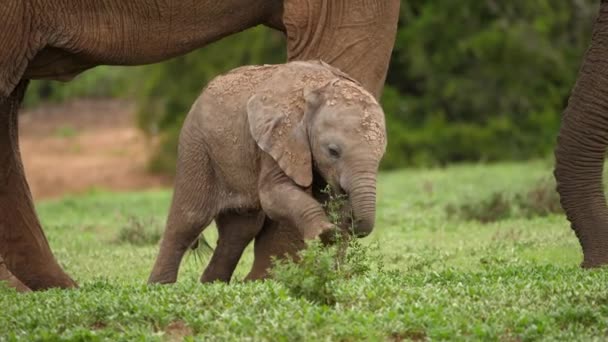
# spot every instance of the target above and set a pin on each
(23, 245)
(581, 147)
(277, 239)
(356, 36)
(11, 281)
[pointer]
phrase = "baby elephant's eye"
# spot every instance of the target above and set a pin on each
(334, 151)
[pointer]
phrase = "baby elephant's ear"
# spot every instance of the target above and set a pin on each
(283, 136)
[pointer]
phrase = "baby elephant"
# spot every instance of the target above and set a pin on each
(251, 147)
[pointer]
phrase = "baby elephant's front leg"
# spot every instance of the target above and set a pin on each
(283, 200)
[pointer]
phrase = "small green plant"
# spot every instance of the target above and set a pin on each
(139, 232)
(321, 266)
(497, 207)
(142, 232)
(540, 200)
(334, 205)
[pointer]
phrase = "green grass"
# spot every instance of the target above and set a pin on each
(443, 277)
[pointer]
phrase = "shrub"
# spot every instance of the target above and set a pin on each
(139, 232)
(320, 267)
(541, 199)
(497, 207)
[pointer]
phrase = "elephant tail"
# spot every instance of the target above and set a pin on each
(195, 248)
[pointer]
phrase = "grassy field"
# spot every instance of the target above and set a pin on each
(444, 275)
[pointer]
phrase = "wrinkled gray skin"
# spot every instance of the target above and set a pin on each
(249, 149)
(581, 149)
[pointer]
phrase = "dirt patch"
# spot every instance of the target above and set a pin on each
(83, 145)
(409, 336)
(98, 325)
(177, 331)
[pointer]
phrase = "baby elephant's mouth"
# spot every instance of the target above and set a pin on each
(339, 190)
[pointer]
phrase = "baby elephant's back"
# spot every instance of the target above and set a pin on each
(220, 115)
(225, 97)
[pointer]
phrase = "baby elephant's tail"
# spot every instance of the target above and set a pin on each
(204, 241)
(199, 252)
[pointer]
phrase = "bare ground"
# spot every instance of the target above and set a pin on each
(83, 145)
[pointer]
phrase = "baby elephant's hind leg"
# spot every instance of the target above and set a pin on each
(236, 231)
(193, 207)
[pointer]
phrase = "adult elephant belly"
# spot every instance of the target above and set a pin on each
(78, 35)
(57, 64)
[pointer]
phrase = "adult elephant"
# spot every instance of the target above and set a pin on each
(581, 147)
(62, 38)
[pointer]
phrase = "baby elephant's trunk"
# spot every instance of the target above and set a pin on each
(363, 200)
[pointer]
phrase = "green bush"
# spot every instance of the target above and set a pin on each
(541, 199)
(481, 80)
(318, 269)
(139, 232)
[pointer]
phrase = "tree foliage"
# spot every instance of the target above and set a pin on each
(482, 80)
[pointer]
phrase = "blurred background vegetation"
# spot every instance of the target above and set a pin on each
(470, 80)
